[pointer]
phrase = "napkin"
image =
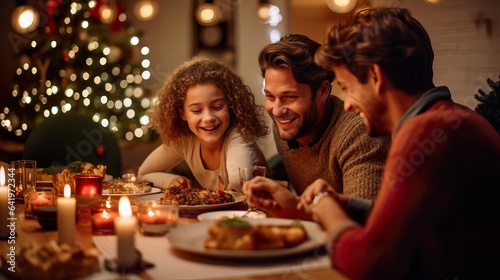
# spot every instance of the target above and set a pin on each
(175, 264)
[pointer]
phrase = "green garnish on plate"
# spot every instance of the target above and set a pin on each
(235, 222)
(297, 223)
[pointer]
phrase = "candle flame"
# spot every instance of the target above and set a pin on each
(108, 204)
(67, 191)
(2, 176)
(105, 214)
(151, 213)
(124, 207)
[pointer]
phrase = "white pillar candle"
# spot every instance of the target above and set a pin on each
(125, 226)
(66, 212)
(4, 204)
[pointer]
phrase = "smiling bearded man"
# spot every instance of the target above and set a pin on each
(315, 137)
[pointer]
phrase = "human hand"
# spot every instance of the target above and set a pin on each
(312, 191)
(180, 181)
(318, 191)
(325, 205)
(270, 196)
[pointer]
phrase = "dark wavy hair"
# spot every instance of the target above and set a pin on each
(389, 37)
(296, 52)
(245, 115)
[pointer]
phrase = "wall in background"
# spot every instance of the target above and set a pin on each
(465, 53)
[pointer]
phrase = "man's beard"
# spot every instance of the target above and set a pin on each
(307, 123)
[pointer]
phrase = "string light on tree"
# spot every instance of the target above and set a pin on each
(86, 58)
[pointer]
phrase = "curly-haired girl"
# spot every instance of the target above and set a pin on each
(207, 117)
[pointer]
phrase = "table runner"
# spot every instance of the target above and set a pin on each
(174, 264)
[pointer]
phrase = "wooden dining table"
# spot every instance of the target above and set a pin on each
(28, 230)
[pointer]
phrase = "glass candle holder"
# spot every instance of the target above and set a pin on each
(88, 188)
(129, 177)
(102, 216)
(157, 218)
(39, 196)
(24, 178)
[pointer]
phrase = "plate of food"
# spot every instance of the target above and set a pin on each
(230, 214)
(198, 208)
(154, 190)
(121, 187)
(243, 238)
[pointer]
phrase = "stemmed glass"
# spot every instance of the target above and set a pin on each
(246, 174)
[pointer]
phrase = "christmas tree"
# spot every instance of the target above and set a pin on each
(489, 106)
(83, 57)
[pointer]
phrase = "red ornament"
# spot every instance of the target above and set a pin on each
(100, 150)
(52, 6)
(116, 25)
(66, 55)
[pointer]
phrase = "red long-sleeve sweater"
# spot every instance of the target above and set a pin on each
(438, 212)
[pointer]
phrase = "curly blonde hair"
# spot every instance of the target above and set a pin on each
(246, 116)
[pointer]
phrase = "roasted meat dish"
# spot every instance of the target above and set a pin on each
(196, 196)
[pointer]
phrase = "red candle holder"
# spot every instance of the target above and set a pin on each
(88, 188)
(102, 216)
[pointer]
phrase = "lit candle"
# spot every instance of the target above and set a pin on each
(40, 200)
(154, 217)
(103, 214)
(157, 219)
(4, 205)
(66, 212)
(125, 226)
(88, 188)
(103, 222)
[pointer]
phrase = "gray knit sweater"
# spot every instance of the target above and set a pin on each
(345, 156)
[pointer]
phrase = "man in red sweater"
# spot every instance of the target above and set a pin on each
(437, 215)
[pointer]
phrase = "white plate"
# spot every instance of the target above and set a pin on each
(191, 238)
(217, 215)
(206, 207)
(154, 190)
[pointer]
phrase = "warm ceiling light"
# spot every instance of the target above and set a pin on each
(208, 14)
(341, 6)
(146, 9)
(25, 19)
(263, 10)
(432, 1)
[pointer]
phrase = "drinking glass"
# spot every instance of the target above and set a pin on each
(25, 182)
(247, 173)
